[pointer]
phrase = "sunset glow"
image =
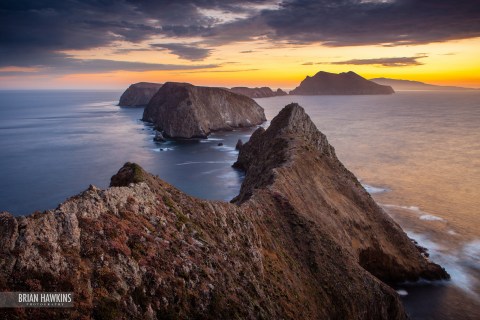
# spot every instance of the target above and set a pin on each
(246, 47)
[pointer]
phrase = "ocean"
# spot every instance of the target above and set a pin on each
(416, 152)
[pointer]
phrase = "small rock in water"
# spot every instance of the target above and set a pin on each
(220, 144)
(159, 137)
(239, 144)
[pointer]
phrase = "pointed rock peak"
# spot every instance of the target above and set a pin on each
(292, 118)
(322, 73)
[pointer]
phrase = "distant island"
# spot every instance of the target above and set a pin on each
(139, 94)
(182, 110)
(345, 83)
(263, 92)
(398, 84)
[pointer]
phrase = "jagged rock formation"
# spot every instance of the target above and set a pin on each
(349, 83)
(182, 110)
(263, 92)
(239, 144)
(139, 94)
(398, 84)
(303, 240)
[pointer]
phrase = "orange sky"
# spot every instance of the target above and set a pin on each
(263, 63)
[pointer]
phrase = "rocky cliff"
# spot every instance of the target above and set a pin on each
(139, 94)
(182, 110)
(349, 83)
(263, 92)
(303, 240)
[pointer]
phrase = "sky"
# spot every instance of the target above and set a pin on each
(109, 44)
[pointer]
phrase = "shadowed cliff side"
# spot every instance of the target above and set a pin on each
(139, 94)
(303, 240)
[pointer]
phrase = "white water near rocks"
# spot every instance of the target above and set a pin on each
(417, 153)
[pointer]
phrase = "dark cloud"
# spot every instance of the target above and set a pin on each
(66, 65)
(356, 22)
(102, 65)
(32, 32)
(386, 62)
(187, 52)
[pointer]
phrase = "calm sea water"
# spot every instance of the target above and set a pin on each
(418, 153)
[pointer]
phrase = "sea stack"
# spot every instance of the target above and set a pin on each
(349, 83)
(182, 110)
(303, 240)
(139, 94)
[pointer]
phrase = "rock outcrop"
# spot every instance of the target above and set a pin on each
(139, 94)
(349, 83)
(303, 240)
(263, 92)
(182, 110)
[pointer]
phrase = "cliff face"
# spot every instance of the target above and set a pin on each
(349, 83)
(263, 92)
(139, 94)
(303, 240)
(182, 110)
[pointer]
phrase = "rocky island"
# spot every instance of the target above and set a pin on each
(182, 110)
(345, 83)
(263, 92)
(302, 240)
(398, 84)
(139, 94)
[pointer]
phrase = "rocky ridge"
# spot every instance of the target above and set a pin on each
(345, 83)
(263, 92)
(182, 110)
(303, 240)
(139, 94)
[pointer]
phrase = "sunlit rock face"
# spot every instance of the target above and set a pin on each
(182, 110)
(302, 240)
(347, 83)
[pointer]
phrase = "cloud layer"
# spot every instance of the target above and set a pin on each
(36, 32)
(385, 62)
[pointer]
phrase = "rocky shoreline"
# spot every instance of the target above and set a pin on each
(302, 240)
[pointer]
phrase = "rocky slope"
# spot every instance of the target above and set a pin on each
(349, 83)
(182, 110)
(303, 240)
(139, 94)
(263, 92)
